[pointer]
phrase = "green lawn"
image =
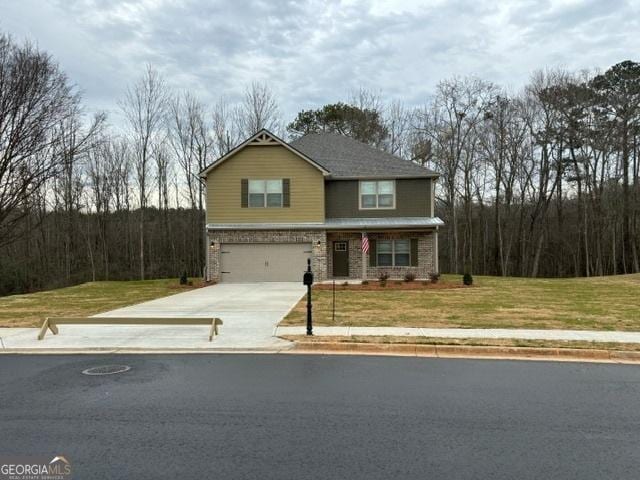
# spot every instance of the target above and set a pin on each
(86, 299)
(597, 303)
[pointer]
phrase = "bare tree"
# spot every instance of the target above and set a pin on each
(224, 127)
(191, 143)
(258, 110)
(75, 143)
(450, 124)
(145, 108)
(35, 97)
(398, 122)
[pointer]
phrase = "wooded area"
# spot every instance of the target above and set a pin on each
(540, 182)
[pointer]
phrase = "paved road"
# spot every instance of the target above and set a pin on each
(298, 417)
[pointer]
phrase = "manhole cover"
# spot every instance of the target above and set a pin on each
(107, 370)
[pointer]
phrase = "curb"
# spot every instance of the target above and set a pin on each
(455, 351)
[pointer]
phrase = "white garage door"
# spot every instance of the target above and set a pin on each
(260, 262)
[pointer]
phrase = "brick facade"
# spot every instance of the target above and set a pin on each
(318, 240)
(426, 263)
(322, 257)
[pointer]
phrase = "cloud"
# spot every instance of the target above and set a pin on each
(312, 52)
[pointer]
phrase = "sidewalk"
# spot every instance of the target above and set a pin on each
(494, 333)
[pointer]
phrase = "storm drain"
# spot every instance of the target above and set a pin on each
(107, 370)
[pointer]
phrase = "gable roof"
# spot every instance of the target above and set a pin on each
(345, 158)
(263, 138)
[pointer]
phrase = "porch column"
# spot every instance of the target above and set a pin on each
(364, 256)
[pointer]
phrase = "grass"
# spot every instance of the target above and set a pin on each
(597, 303)
(81, 300)
(471, 342)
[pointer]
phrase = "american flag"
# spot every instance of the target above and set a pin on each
(365, 243)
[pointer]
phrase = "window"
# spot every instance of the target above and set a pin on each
(265, 193)
(377, 194)
(394, 253)
(340, 246)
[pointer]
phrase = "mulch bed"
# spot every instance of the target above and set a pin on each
(391, 285)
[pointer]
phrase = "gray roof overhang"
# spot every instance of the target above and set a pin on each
(338, 224)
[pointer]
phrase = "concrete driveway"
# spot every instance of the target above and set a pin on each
(250, 312)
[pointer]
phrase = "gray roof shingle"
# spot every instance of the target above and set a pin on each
(345, 157)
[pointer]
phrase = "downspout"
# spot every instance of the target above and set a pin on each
(436, 266)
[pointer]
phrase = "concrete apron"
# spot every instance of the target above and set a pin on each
(250, 313)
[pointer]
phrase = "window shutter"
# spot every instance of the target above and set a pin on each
(244, 193)
(373, 258)
(286, 196)
(414, 252)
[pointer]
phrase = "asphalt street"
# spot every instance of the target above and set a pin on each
(323, 417)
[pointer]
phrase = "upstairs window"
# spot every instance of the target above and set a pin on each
(265, 193)
(380, 194)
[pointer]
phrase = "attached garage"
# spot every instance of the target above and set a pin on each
(263, 262)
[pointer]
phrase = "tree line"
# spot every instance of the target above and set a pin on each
(540, 182)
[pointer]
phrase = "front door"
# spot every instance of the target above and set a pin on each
(341, 259)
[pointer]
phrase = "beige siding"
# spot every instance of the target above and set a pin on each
(265, 162)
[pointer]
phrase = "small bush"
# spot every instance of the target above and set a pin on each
(467, 279)
(184, 279)
(382, 278)
(409, 277)
(434, 277)
(425, 282)
(365, 282)
(345, 283)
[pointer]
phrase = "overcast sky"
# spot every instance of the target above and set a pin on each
(314, 52)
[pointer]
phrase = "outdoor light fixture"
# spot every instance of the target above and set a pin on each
(212, 245)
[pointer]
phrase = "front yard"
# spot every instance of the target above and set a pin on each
(597, 303)
(86, 299)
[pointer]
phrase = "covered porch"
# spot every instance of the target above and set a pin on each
(394, 248)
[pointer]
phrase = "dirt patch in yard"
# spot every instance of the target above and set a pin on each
(390, 285)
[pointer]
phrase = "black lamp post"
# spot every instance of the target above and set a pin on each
(307, 280)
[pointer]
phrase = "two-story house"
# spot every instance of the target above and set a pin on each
(355, 211)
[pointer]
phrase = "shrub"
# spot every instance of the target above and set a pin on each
(425, 282)
(184, 279)
(365, 282)
(467, 279)
(345, 284)
(382, 278)
(409, 277)
(434, 277)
